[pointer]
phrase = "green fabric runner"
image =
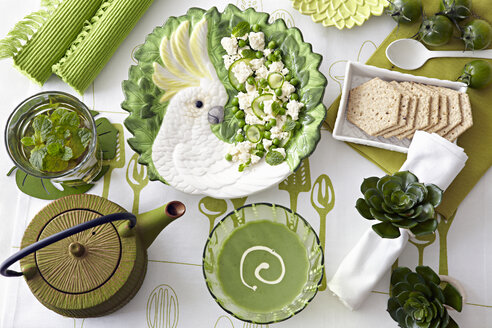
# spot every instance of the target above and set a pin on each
(477, 141)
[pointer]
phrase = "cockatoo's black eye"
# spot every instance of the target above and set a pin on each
(199, 104)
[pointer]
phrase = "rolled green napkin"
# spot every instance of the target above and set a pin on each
(475, 141)
(72, 38)
(98, 41)
(50, 42)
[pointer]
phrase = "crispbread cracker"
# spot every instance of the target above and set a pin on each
(402, 116)
(467, 121)
(454, 110)
(423, 109)
(374, 106)
(434, 109)
(410, 114)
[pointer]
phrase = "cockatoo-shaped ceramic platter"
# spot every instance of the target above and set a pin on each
(180, 81)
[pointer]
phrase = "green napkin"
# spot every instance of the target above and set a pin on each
(72, 38)
(477, 141)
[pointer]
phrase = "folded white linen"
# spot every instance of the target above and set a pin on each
(432, 159)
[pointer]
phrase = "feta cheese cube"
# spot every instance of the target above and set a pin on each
(277, 66)
(287, 89)
(268, 107)
(281, 151)
(242, 71)
(243, 100)
(293, 109)
(257, 40)
(255, 159)
(285, 71)
(256, 64)
(267, 52)
(229, 45)
(267, 144)
(262, 72)
(229, 59)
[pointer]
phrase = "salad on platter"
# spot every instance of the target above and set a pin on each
(224, 104)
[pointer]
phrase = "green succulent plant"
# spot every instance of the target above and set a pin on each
(399, 201)
(417, 299)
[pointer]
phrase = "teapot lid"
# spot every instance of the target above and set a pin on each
(90, 273)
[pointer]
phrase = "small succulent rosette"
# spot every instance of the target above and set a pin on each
(421, 299)
(399, 201)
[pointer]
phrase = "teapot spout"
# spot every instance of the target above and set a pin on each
(150, 224)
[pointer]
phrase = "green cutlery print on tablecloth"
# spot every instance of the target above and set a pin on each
(76, 323)
(245, 4)
(117, 162)
(238, 202)
(138, 179)
(163, 308)
(212, 208)
(283, 14)
(323, 201)
(443, 229)
(297, 182)
(421, 242)
(224, 322)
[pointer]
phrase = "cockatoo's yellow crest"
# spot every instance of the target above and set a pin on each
(185, 59)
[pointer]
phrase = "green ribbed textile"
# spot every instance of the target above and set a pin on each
(50, 42)
(98, 41)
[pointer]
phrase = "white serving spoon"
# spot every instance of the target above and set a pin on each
(411, 54)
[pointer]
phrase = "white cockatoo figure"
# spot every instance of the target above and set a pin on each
(185, 152)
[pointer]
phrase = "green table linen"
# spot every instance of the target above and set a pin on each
(98, 41)
(477, 141)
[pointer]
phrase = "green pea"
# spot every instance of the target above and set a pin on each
(298, 125)
(288, 77)
(272, 57)
(284, 105)
(241, 167)
(273, 121)
(272, 45)
(281, 111)
(239, 114)
(278, 92)
(251, 80)
(294, 96)
(276, 141)
(267, 134)
(235, 101)
(241, 43)
(294, 81)
(260, 153)
(228, 157)
(268, 126)
(242, 88)
(239, 137)
(278, 53)
(260, 91)
(260, 147)
(241, 123)
(259, 54)
(268, 63)
(261, 105)
(256, 28)
(263, 82)
(234, 109)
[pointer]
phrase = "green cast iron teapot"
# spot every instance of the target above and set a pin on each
(85, 256)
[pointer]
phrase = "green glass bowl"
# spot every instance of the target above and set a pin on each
(277, 214)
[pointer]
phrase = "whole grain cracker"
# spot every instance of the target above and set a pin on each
(410, 115)
(454, 110)
(374, 106)
(423, 110)
(467, 121)
(434, 123)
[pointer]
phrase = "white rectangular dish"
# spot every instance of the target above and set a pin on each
(357, 74)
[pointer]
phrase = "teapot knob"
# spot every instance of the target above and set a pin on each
(76, 249)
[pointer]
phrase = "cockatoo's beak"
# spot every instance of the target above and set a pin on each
(216, 115)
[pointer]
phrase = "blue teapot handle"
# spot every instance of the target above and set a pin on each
(59, 236)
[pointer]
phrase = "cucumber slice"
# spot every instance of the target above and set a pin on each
(275, 80)
(232, 78)
(254, 134)
(256, 104)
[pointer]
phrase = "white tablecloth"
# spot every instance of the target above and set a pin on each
(175, 257)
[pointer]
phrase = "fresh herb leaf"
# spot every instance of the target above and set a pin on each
(85, 136)
(241, 29)
(57, 115)
(67, 154)
(27, 141)
(54, 164)
(276, 108)
(274, 158)
(70, 119)
(289, 125)
(42, 125)
(248, 53)
(37, 157)
(54, 148)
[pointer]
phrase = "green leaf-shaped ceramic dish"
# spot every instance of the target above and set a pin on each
(173, 136)
(340, 13)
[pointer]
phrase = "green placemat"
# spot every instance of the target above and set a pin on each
(476, 141)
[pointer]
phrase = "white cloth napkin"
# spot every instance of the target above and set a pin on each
(432, 159)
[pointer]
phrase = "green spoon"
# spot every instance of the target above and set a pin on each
(212, 208)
